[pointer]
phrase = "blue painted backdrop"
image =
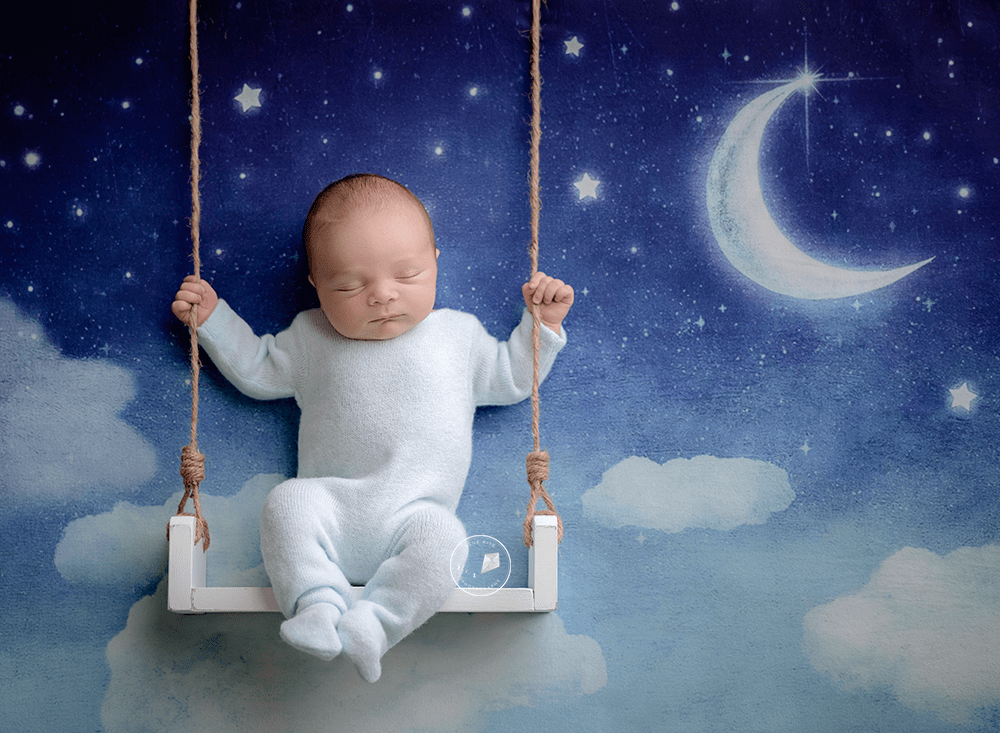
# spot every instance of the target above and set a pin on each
(781, 512)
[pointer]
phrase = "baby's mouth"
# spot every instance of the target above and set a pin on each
(390, 317)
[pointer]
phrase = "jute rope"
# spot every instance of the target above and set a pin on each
(192, 460)
(538, 460)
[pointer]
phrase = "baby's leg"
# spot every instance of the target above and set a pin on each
(299, 537)
(406, 590)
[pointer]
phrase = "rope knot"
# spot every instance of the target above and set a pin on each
(193, 473)
(538, 467)
(538, 471)
(192, 466)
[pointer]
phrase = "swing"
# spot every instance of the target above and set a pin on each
(187, 592)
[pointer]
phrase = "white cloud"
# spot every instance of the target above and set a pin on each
(926, 626)
(703, 492)
(126, 547)
(231, 672)
(61, 434)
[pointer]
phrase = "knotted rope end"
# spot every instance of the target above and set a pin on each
(538, 471)
(193, 473)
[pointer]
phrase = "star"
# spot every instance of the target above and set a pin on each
(573, 46)
(928, 304)
(963, 397)
(857, 305)
(805, 448)
(587, 186)
(725, 54)
(641, 538)
(249, 97)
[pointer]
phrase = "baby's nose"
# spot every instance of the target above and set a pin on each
(383, 292)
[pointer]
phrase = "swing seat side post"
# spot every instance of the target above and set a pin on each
(186, 568)
(543, 562)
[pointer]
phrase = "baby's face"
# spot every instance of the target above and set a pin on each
(375, 273)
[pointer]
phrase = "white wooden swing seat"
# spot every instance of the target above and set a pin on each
(187, 592)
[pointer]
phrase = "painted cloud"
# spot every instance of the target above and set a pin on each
(59, 420)
(231, 672)
(926, 626)
(126, 547)
(703, 492)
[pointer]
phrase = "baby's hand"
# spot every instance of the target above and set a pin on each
(194, 291)
(553, 296)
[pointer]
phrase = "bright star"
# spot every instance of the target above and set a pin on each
(573, 46)
(805, 448)
(807, 79)
(725, 54)
(248, 98)
(587, 186)
(962, 397)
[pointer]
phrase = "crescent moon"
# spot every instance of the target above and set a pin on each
(747, 234)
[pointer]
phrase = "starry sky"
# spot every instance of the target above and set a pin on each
(859, 432)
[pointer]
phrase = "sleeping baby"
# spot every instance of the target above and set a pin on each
(387, 387)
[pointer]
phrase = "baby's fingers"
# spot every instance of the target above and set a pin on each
(550, 289)
(536, 287)
(190, 293)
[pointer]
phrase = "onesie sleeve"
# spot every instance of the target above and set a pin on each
(503, 370)
(263, 367)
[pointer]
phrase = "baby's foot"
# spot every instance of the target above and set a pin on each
(313, 630)
(364, 640)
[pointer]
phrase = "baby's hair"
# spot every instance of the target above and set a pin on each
(360, 191)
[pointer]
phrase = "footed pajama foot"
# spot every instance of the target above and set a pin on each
(364, 640)
(313, 630)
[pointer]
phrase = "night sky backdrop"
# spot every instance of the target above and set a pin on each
(781, 513)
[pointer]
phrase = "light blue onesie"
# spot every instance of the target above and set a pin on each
(385, 443)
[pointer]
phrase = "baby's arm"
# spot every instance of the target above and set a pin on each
(194, 292)
(553, 296)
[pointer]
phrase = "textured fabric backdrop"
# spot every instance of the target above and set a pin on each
(779, 485)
